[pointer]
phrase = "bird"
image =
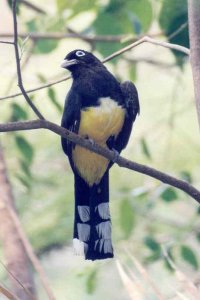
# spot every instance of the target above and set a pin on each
(99, 108)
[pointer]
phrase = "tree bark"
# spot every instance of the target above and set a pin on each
(16, 258)
(194, 34)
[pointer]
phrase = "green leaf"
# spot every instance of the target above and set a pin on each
(91, 281)
(189, 256)
(152, 244)
(25, 148)
(31, 25)
(132, 16)
(52, 97)
(127, 217)
(62, 5)
(155, 248)
(169, 194)
(24, 180)
(18, 113)
(45, 46)
(41, 78)
(198, 210)
(141, 14)
(185, 175)
(10, 2)
(172, 16)
(75, 6)
(25, 166)
(47, 24)
(105, 24)
(145, 148)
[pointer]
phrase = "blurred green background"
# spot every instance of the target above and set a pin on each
(152, 222)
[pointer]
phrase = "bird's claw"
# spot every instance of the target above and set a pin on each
(90, 140)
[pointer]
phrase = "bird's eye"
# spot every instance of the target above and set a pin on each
(80, 53)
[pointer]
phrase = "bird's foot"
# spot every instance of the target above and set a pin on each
(90, 140)
(116, 155)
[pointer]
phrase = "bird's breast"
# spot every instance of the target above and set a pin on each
(101, 122)
(98, 123)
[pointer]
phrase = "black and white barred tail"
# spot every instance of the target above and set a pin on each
(92, 224)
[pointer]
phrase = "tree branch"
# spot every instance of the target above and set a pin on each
(194, 25)
(58, 36)
(115, 54)
(19, 76)
(32, 6)
(6, 42)
(110, 155)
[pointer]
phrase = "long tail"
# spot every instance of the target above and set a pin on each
(92, 224)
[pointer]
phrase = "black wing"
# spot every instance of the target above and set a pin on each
(132, 106)
(70, 119)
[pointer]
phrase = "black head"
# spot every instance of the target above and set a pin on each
(80, 59)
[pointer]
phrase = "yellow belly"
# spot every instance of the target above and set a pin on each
(97, 123)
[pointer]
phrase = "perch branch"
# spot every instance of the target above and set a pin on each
(115, 54)
(122, 162)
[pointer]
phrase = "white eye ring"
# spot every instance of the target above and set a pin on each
(80, 53)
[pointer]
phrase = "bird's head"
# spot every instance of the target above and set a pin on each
(79, 59)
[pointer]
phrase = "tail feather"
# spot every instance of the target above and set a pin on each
(92, 224)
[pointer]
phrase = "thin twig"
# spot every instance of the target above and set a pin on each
(150, 61)
(33, 7)
(176, 32)
(145, 275)
(41, 87)
(132, 287)
(13, 214)
(19, 282)
(188, 285)
(6, 42)
(7, 293)
(147, 39)
(58, 36)
(110, 155)
(115, 54)
(23, 65)
(19, 76)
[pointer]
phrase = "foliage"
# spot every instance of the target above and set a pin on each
(145, 212)
(174, 15)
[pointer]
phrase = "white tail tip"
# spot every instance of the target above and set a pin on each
(79, 247)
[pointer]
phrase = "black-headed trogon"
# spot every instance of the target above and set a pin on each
(99, 108)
